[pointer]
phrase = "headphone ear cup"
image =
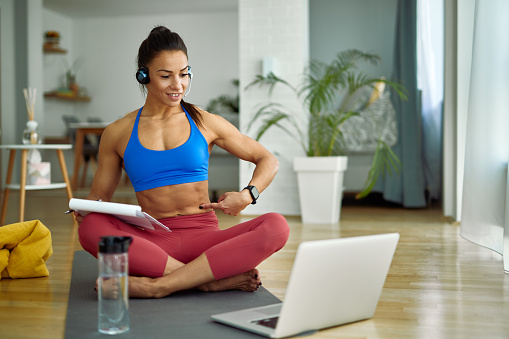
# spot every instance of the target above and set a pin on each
(142, 76)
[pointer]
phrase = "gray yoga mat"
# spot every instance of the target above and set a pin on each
(180, 315)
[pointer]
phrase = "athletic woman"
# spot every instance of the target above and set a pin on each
(164, 147)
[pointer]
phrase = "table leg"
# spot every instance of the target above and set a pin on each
(63, 167)
(10, 167)
(22, 184)
(78, 151)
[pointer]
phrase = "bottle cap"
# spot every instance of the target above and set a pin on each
(113, 244)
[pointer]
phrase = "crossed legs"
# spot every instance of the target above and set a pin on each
(212, 260)
(196, 274)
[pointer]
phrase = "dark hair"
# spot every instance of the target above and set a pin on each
(162, 39)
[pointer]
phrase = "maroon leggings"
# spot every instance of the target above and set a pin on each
(230, 252)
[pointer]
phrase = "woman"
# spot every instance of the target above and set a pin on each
(164, 148)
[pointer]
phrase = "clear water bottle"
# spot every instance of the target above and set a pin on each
(113, 316)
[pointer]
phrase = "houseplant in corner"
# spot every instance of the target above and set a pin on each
(331, 94)
(226, 106)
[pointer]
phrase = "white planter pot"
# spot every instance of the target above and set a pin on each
(320, 181)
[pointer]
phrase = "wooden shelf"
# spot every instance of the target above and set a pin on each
(56, 95)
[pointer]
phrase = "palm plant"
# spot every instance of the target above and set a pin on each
(328, 93)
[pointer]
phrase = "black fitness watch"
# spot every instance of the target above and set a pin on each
(254, 193)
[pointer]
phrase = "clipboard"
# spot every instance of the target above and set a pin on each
(131, 214)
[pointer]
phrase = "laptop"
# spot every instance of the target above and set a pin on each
(333, 282)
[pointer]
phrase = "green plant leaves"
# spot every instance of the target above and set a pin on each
(271, 80)
(384, 160)
(224, 103)
(271, 115)
(327, 95)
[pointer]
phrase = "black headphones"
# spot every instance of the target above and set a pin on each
(143, 78)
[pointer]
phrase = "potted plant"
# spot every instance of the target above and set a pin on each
(329, 94)
(226, 106)
(225, 103)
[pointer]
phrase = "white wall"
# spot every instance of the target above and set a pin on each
(34, 57)
(450, 102)
(20, 27)
(54, 73)
(7, 74)
(459, 25)
(279, 29)
(465, 40)
(109, 46)
(21, 67)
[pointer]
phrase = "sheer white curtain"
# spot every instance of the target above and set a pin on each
(485, 203)
(430, 81)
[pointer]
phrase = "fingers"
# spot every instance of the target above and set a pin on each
(78, 217)
(228, 203)
(218, 206)
(213, 205)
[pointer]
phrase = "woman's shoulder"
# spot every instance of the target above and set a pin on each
(211, 118)
(123, 121)
(216, 126)
(121, 125)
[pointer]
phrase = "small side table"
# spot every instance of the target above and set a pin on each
(22, 186)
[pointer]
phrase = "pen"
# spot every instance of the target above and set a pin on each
(70, 211)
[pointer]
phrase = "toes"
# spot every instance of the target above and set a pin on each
(255, 274)
(256, 280)
(254, 286)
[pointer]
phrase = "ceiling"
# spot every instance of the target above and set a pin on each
(109, 8)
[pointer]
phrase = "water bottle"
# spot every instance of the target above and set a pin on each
(113, 315)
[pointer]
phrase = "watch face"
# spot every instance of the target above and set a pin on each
(254, 192)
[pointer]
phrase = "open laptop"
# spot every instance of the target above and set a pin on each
(333, 282)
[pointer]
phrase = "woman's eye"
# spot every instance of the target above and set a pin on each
(183, 75)
(165, 76)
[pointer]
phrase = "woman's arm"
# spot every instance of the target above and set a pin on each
(229, 138)
(109, 170)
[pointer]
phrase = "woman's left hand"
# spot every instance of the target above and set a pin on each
(231, 203)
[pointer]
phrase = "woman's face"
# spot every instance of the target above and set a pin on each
(169, 78)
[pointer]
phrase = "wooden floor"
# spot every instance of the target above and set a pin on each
(439, 285)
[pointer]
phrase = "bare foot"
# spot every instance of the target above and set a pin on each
(145, 287)
(248, 281)
(110, 287)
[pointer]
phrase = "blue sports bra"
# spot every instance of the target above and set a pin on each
(148, 168)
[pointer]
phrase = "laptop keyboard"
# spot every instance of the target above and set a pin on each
(268, 322)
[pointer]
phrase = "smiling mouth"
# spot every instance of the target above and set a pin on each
(174, 95)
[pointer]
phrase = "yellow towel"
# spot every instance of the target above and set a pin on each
(24, 249)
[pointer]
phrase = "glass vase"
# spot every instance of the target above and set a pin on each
(31, 134)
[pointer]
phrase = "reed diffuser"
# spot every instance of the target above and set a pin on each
(31, 134)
